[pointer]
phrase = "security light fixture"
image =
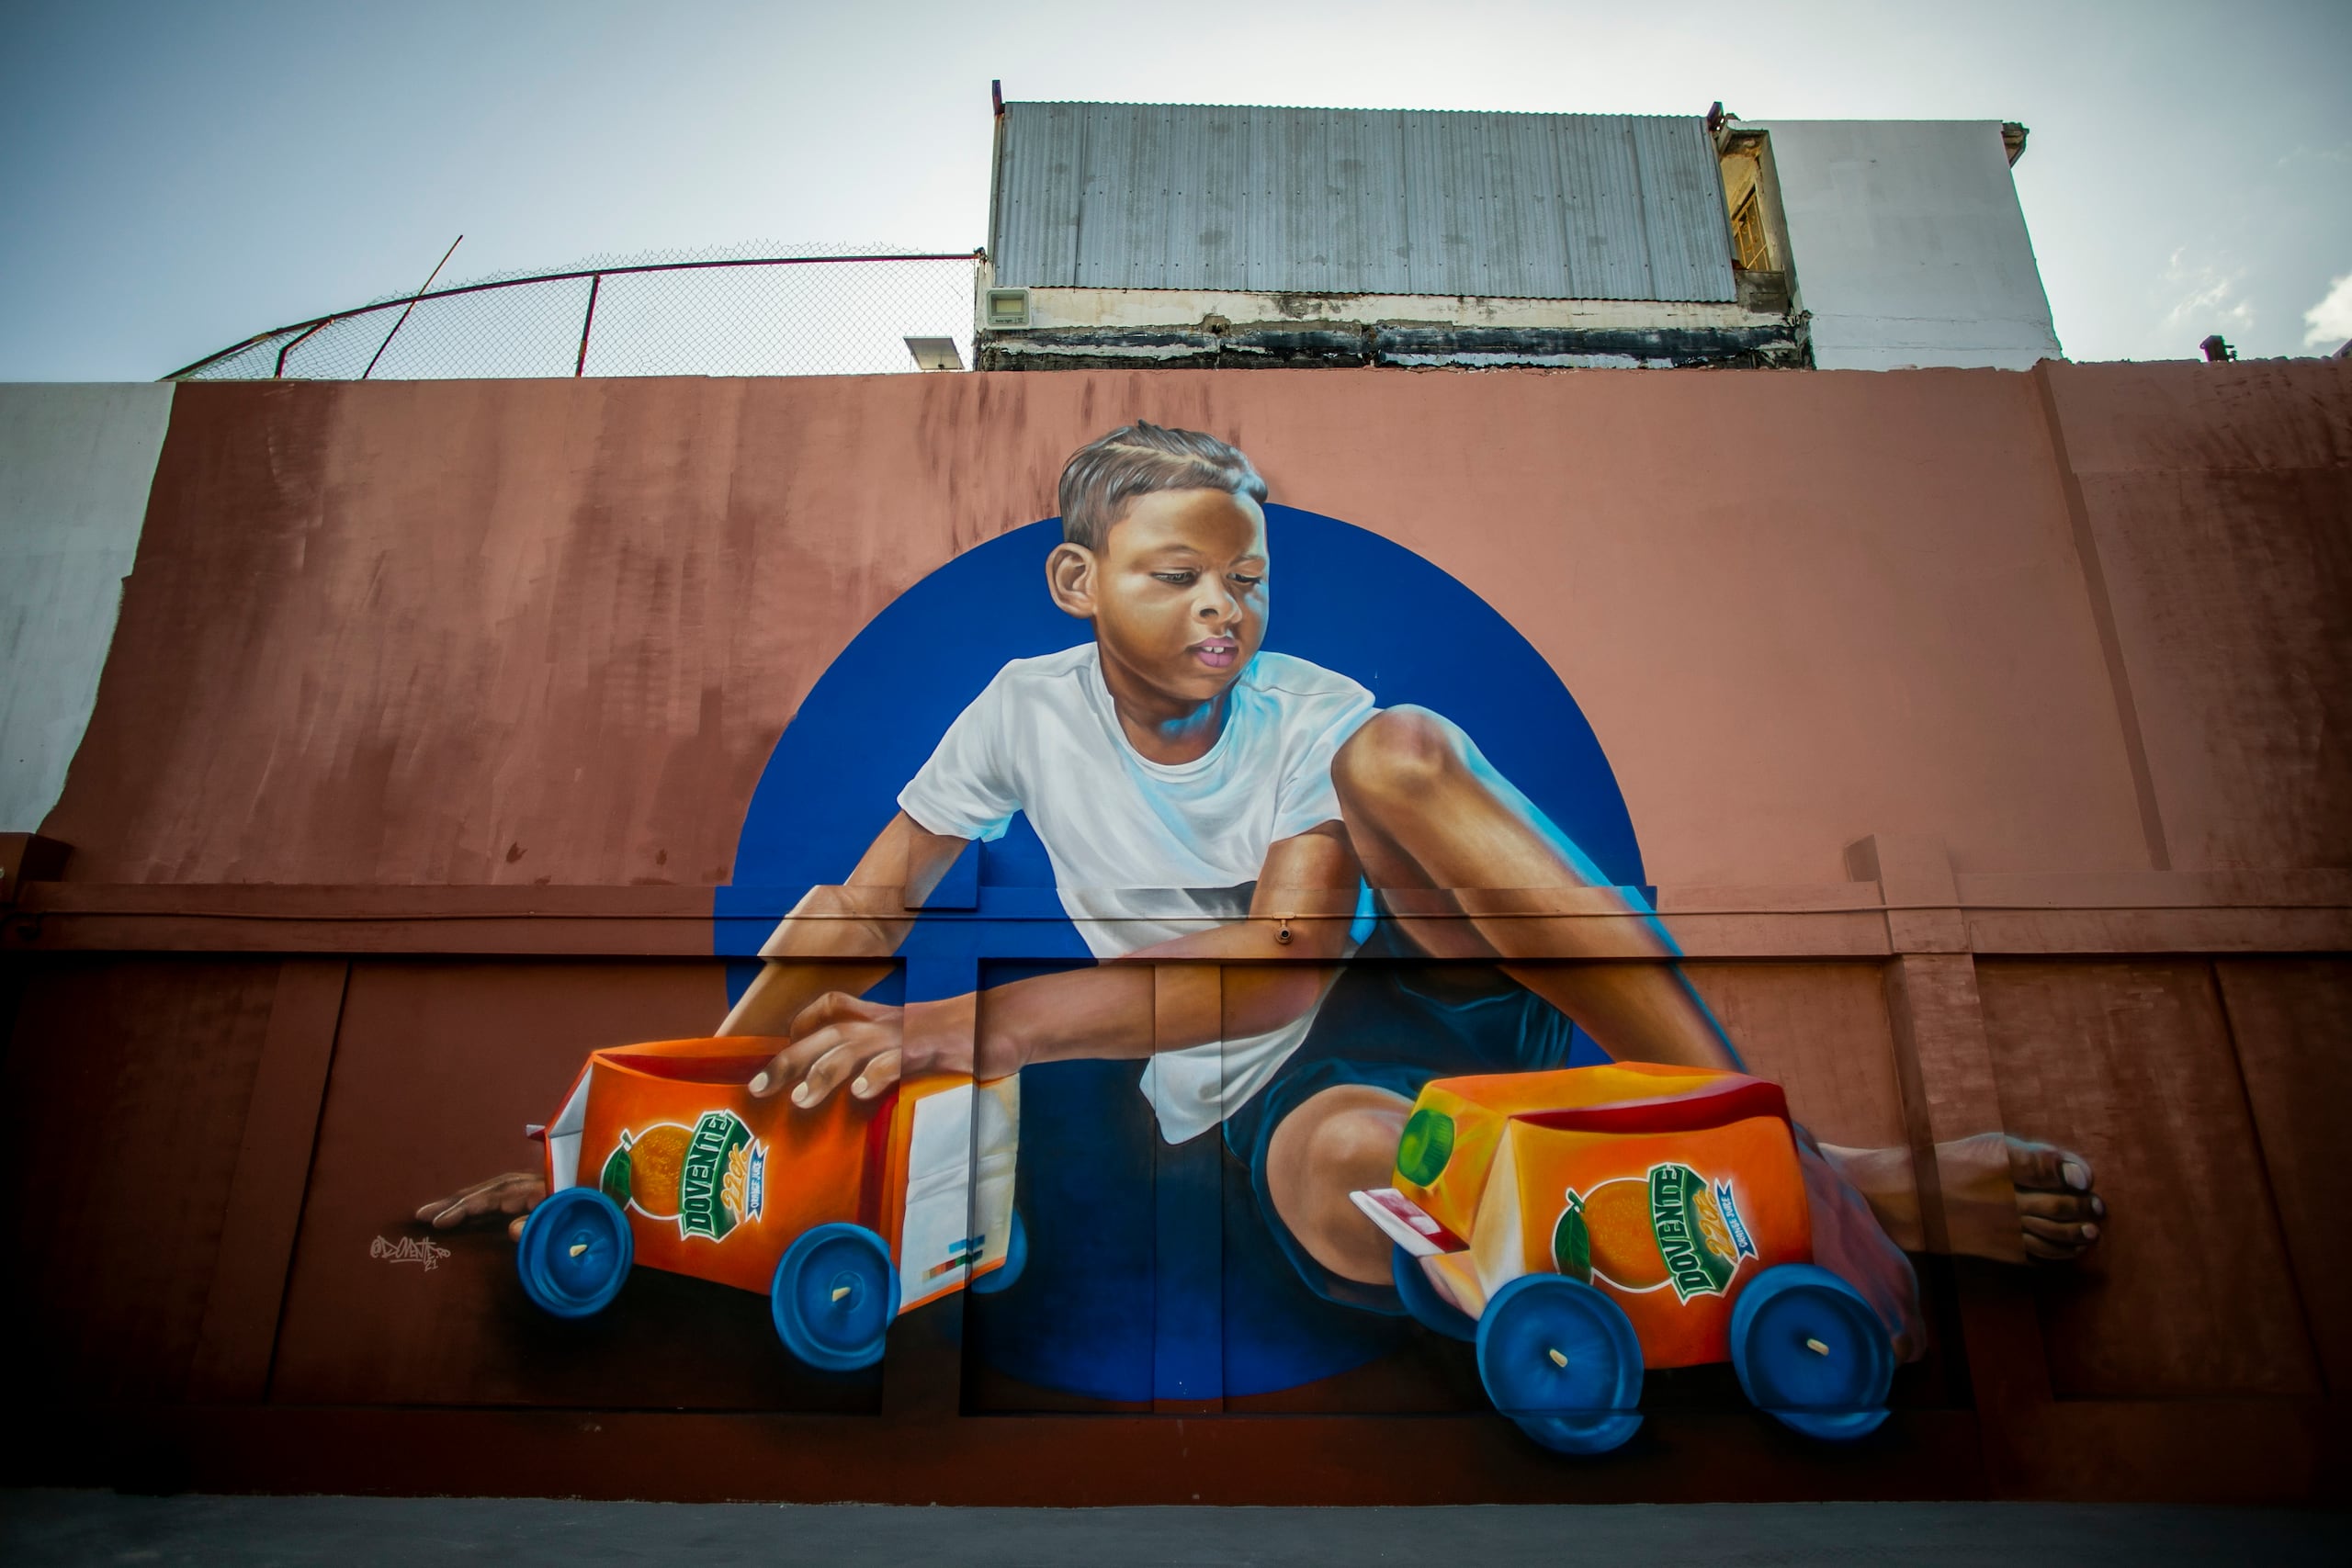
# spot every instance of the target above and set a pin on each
(934, 353)
(1008, 307)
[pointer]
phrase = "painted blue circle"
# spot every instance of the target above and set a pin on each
(575, 1252)
(1342, 597)
(1562, 1361)
(1016, 1258)
(834, 1297)
(1429, 1310)
(1811, 1352)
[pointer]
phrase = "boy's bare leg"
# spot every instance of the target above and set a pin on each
(781, 989)
(1849, 1241)
(1428, 814)
(1340, 1141)
(2006, 1198)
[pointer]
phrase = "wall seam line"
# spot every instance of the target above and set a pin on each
(309, 1180)
(2118, 674)
(2295, 1267)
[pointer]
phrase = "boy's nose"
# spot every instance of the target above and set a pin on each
(1219, 605)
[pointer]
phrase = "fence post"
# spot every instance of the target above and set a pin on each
(580, 366)
(279, 373)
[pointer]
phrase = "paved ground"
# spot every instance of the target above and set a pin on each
(78, 1528)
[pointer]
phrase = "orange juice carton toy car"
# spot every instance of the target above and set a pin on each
(1582, 1225)
(846, 1215)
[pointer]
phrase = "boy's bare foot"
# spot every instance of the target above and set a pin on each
(2006, 1199)
(517, 1194)
(2000, 1192)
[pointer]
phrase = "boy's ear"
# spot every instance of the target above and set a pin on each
(1069, 578)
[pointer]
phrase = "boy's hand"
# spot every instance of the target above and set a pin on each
(517, 1194)
(837, 1038)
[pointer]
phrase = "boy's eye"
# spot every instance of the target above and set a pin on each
(1246, 581)
(1176, 577)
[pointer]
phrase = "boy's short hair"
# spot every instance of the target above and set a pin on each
(1105, 476)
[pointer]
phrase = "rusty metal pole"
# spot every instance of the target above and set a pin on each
(580, 366)
(411, 305)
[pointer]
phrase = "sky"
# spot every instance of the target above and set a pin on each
(176, 176)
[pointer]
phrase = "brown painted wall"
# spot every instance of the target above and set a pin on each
(568, 619)
(2071, 647)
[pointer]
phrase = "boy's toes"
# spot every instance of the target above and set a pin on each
(2060, 1215)
(2054, 1242)
(2063, 1208)
(2047, 1167)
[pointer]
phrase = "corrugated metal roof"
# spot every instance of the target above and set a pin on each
(1359, 201)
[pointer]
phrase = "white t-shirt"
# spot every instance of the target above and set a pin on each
(1144, 851)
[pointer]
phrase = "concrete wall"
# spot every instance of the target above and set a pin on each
(75, 463)
(1908, 244)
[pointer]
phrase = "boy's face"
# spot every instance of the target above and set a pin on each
(1177, 593)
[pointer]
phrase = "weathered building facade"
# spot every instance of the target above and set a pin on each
(1189, 235)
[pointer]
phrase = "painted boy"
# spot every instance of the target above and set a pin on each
(1207, 803)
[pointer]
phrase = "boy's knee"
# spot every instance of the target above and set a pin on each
(1359, 1144)
(1342, 1139)
(1399, 755)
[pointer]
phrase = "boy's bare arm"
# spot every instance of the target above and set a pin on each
(858, 920)
(1307, 888)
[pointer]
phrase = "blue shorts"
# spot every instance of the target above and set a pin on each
(1395, 1020)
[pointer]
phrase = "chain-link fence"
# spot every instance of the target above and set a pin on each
(806, 313)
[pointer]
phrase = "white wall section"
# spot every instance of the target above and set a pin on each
(1908, 244)
(75, 463)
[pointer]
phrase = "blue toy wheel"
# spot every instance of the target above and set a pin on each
(1811, 1352)
(1562, 1361)
(1431, 1311)
(574, 1253)
(1016, 1258)
(834, 1296)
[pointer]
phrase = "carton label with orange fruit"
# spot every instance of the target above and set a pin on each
(710, 1177)
(1667, 1188)
(1699, 1240)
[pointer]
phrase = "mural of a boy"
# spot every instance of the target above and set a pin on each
(1205, 801)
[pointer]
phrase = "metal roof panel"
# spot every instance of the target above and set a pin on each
(1379, 202)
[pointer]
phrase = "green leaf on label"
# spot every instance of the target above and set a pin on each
(614, 1181)
(1572, 1242)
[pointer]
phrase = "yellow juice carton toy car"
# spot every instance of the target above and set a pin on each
(844, 1215)
(1582, 1225)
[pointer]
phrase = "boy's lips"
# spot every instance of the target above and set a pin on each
(1217, 652)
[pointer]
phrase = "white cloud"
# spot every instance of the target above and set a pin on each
(2331, 320)
(2204, 297)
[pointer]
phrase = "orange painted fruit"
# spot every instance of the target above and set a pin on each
(1623, 1245)
(657, 1157)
